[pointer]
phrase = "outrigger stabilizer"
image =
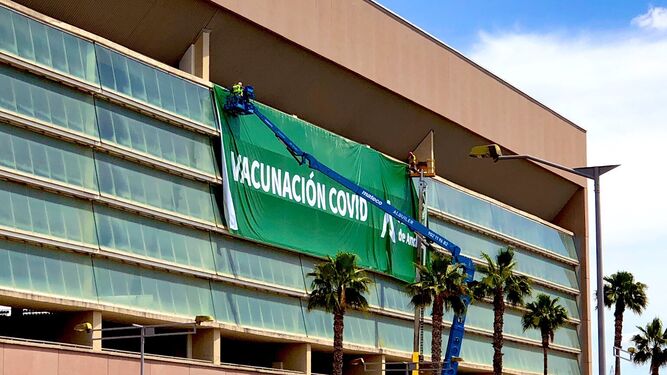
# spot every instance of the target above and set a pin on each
(239, 103)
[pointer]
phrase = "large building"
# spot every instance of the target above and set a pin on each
(114, 208)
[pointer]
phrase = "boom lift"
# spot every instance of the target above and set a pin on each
(239, 103)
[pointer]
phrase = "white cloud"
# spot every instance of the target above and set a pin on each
(613, 84)
(654, 19)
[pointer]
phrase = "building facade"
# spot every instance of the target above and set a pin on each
(113, 188)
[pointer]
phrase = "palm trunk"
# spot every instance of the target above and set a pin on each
(498, 313)
(436, 337)
(545, 347)
(618, 327)
(339, 327)
(655, 370)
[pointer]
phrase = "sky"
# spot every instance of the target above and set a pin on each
(603, 65)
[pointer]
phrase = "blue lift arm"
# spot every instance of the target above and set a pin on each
(239, 103)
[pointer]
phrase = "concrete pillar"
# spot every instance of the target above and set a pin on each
(374, 365)
(296, 357)
(205, 345)
(92, 339)
(196, 59)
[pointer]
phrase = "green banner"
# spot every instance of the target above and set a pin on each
(270, 198)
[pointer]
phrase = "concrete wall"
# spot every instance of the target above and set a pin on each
(36, 359)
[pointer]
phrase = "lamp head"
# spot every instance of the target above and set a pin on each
(357, 361)
(199, 319)
(83, 327)
(487, 151)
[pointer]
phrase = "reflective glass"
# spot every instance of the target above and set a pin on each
(359, 328)
(474, 244)
(139, 288)
(392, 295)
(36, 154)
(45, 213)
(40, 99)
(133, 182)
(152, 137)
(480, 315)
(479, 350)
(34, 41)
(151, 238)
(447, 199)
(248, 260)
(154, 86)
(395, 334)
(255, 309)
(40, 270)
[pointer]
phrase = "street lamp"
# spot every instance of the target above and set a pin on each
(493, 151)
(144, 331)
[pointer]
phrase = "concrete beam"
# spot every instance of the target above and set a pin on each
(296, 357)
(205, 345)
(92, 339)
(196, 58)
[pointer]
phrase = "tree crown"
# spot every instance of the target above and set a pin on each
(622, 292)
(441, 279)
(545, 314)
(650, 344)
(339, 283)
(499, 275)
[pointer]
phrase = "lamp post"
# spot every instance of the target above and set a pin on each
(593, 173)
(144, 331)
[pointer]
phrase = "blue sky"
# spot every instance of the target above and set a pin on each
(458, 22)
(603, 65)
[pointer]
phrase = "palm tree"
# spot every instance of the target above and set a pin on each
(547, 315)
(622, 292)
(339, 283)
(443, 284)
(650, 346)
(501, 284)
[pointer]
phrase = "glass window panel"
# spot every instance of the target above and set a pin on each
(105, 67)
(395, 334)
(261, 310)
(526, 358)
(480, 315)
(47, 101)
(222, 301)
(167, 101)
(22, 33)
(7, 38)
(467, 207)
(319, 323)
(137, 87)
(139, 288)
(392, 295)
(40, 43)
(40, 270)
(38, 32)
(360, 328)
(120, 73)
(154, 188)
(57, 47)
(156, 87)
(252, 261)
(474, 244)
(51, 212)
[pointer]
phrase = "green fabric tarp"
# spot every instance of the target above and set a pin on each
(270, 198)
